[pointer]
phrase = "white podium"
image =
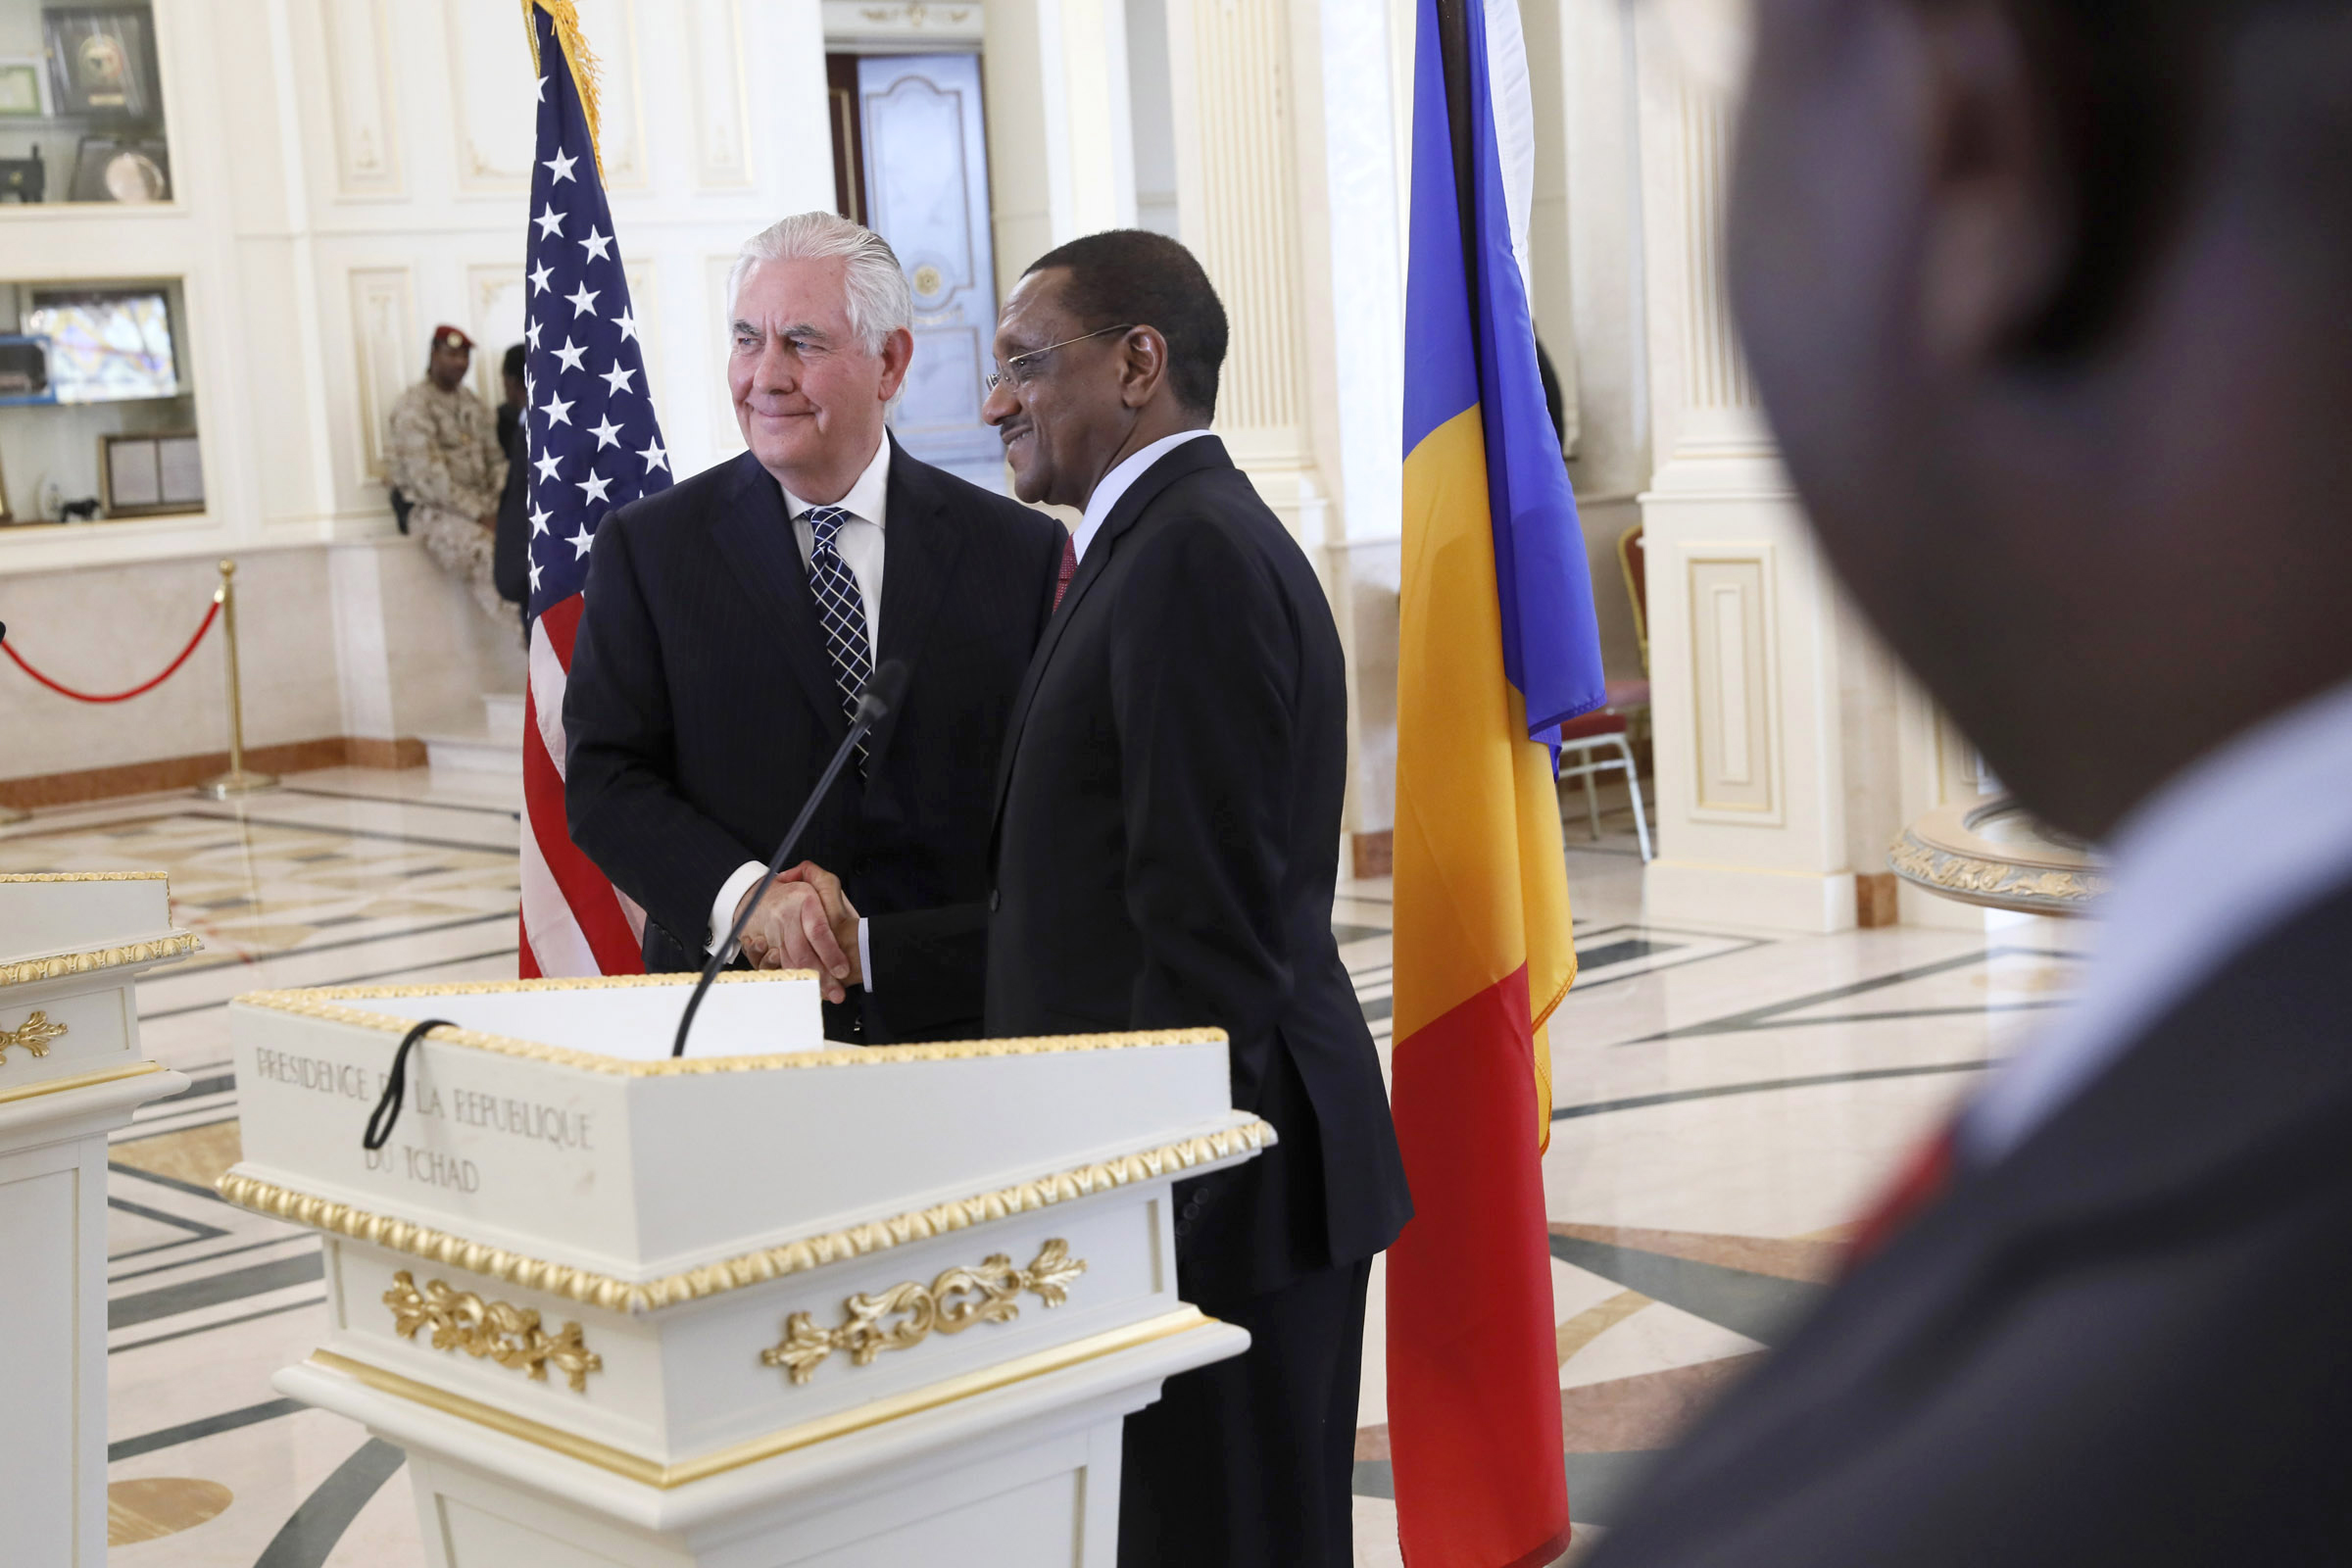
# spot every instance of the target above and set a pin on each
(72, 947)
(775, 1303)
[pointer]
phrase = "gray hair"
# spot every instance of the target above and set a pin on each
(878, 301)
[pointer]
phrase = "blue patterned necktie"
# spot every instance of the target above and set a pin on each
(841, 611)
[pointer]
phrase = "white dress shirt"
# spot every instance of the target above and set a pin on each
(2239, 843)
(1116, 483)
(860, 541)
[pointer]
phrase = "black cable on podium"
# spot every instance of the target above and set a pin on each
(883, 693)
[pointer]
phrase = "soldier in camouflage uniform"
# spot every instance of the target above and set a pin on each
(444, 458)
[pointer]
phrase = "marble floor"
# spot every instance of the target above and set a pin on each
(1727, 1102)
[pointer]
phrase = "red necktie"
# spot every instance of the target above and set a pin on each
(1069, 566)
(1925, 1179)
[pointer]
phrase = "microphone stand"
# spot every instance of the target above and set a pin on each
(882, 694)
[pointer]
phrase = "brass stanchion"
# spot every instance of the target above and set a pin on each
(236, 781)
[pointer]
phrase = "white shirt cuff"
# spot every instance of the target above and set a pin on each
(865, 955)
(730, 893)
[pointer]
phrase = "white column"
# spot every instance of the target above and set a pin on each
(1235, 105)
(1061, 151)
(1748, 645)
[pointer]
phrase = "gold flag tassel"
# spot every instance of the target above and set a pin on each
(576, 53)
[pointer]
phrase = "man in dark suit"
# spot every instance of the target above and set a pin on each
(2047, 298)
(511, 545)
(733, 620)
(1168, 837)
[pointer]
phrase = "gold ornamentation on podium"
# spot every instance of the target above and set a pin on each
(949, 1304)
(33, 1035)
(586, 1285)
(56, 966)
(507, 1334)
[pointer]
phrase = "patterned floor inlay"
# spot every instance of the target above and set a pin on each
(1627, 1415)
(1814, 1262)
(1574, 1334)
(198, 1156)
(1727, 1102)
(160, 1507)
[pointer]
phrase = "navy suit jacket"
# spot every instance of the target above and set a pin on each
(2122, 1346)
(702, 708)
(1166, 847)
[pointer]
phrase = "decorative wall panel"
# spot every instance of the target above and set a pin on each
(645, 308)
(497, 102)
(387, 351)
(723, 158)
(612, 29)
(726, 435)
(856, 25)
(1731, 663)
(495, 302)
(358, 64)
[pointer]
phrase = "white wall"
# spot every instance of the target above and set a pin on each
(348, 174)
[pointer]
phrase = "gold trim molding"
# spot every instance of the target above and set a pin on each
(56, 966)
(34, 1035)
(507, 1334)
(858, 1417)
(81, 1080)
(86, 876)
(325, 1006)
(950, 1303)
(750, 1268)
(2034, 890)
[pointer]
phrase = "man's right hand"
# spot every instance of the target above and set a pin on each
(792, 928)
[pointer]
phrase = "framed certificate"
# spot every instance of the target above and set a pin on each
(102, 61)
(24, 88)
(147, 474)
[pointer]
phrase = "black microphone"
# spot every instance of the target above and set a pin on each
(883, 693)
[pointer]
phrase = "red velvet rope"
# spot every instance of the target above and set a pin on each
(169, 670)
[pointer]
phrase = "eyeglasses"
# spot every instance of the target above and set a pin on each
(1022, 368)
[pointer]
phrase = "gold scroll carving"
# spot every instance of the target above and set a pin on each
(34, 1035)
(904, 1315)
(507, 1334)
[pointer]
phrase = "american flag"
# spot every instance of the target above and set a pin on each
(593, 445)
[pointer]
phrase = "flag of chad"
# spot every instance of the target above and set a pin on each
(1499, 648)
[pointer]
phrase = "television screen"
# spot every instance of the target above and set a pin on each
(106, 346)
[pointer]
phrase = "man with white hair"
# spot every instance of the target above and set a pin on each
(732, 622)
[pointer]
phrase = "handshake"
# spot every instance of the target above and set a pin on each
(804, 921)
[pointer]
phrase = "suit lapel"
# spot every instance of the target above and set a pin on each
(754, 535)
(1203, 452)
(922, 547)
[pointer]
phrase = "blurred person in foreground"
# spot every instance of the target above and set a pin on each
(2047, 299)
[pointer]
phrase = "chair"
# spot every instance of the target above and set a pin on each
(1633, 559)
(1586, 743)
